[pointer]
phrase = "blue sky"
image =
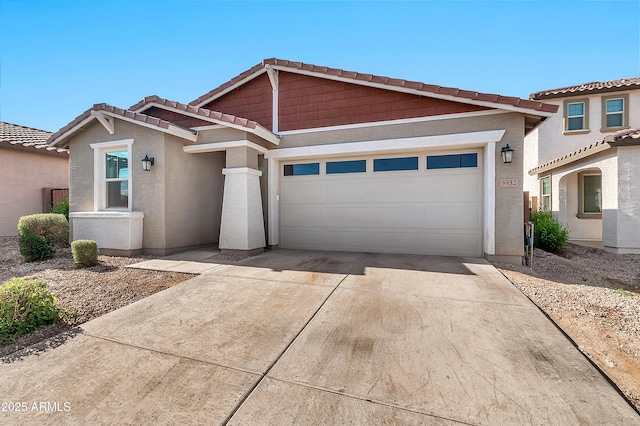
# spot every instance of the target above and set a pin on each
(57, 58)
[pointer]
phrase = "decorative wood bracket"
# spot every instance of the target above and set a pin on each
(273, 78)
(106, 121)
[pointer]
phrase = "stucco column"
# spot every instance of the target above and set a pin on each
(242, 224)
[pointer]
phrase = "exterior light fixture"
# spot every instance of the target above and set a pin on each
(148, 162)
(507, 154)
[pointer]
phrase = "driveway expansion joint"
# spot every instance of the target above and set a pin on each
(372, 401)
(293, 340)
(106, 339)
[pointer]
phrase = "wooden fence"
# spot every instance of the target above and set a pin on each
(52, 196)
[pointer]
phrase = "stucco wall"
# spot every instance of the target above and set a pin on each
(579, 228)
(565, 198)
(552, 143)
(194, 186)
(23, 175)
(181, 198)
(509, 206)
(628, 213)
(530, 161)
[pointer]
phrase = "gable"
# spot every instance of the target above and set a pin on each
(252, 100)
(309, 102)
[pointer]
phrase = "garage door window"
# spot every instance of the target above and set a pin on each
(302, 169)
(452, 161)
(353, 166)
(391, 164)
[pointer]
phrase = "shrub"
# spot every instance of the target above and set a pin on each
(62, 208)
(85, 253)
(53, 227)
(548, 234)
(25, 305)
(33, 247)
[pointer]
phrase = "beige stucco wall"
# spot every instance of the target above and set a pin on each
(508, 206)
(180, 199)
(23, 176)
(628, 213)
(193, 195)
(565, 198)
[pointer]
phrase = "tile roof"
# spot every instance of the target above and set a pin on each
(202, 112)
(588, 88)
(391, 83)
(215, 116)
(624, 137)
(16, 134)
(132, 115)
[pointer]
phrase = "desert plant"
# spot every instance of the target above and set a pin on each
(25, 305)
(549, 234)
(53, 227)
(62, 208)
(85, 253)
(33, 247)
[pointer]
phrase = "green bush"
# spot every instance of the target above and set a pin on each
(62, 208)
(25, 305)
(548, 234)
(33, 247)
(85, 253)
(53, 227)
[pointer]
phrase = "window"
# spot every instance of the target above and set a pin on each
(117, 179)
(452, 161)
(576, 116)
(590, 195)
(112, 175)
(545, 193)
(353, 166)
(302, 169)
(615, 112)
(391, 164)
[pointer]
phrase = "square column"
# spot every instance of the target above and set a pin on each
(242, 224)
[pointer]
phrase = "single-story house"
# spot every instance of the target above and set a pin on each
(599, 183)
(294, 155)
(27, 166)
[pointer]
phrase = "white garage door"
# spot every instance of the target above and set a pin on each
(423, 203)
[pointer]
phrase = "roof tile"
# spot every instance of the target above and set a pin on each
(391, 82)
(15, 134)
(587, 88)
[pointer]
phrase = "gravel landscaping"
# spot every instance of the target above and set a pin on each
(594, 297)
(87, 293)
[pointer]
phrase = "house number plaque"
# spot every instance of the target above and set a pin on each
(508, 183)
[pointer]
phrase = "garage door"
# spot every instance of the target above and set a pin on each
(422, 203)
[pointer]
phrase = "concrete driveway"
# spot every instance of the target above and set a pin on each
(300, 337)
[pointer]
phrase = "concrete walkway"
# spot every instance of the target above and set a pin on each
(300, 337)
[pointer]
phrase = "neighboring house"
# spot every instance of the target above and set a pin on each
(27, 165)
(299, 156)
(584, 162)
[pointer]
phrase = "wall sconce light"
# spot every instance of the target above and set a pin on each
(507, 154)
(147, 163)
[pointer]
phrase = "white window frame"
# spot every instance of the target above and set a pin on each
(100, 151)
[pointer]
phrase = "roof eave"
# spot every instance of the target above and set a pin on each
(259, 130)
(596, 148)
